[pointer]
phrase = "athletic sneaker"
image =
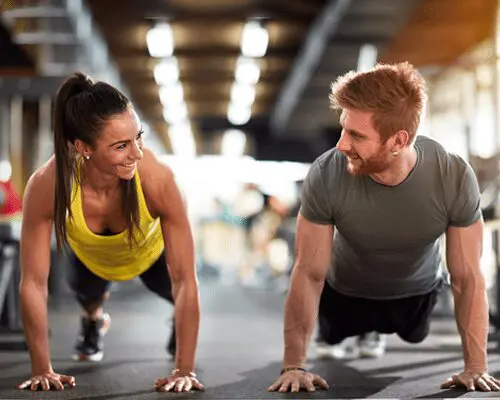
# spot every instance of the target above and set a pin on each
(328, 351)
(89, 346)
(371, 345)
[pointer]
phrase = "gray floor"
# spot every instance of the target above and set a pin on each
(239, 354)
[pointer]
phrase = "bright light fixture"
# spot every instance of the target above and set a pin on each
(254, 39)
(160, 40)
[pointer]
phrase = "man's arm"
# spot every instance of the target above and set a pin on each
(313, 254)
(179, 246)
(463, 252)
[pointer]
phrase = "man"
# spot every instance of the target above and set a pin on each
(389, 196)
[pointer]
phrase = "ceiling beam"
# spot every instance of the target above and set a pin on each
(306, 62)
(150, 11)
(203, 53)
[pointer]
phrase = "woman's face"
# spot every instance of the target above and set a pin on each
(119, 146)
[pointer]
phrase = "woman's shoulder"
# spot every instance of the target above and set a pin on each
(44, 177)
(40, 187)
(151, 169)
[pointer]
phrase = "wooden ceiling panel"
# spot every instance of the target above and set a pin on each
(207, 36)
(440, 31)
(210, 34)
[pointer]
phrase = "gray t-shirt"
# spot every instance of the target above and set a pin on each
(387, 238)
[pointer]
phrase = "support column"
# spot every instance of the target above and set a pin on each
(4, 130)
(496, 77)
(44, 146)
(16, 143)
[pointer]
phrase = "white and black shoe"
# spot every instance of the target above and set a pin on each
(371, 345)
(89, 346)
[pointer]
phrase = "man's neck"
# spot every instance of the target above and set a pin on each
(399, 170)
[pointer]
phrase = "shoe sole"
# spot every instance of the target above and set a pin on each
(96, 357)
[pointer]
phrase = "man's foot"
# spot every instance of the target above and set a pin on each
(371, 345)
(328, 351)
(89, 346)
(171, 344)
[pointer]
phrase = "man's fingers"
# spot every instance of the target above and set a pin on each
(309, 385)
(492, 383)
(284, 386)
(321, 382)
(275, 385)
(295, 386)
(448, 383)
(482, 385)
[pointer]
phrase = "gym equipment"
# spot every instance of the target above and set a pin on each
(11, 333)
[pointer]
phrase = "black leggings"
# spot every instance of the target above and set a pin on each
(90, 288)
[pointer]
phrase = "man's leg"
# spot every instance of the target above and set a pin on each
(157, 279)
(340, 317)
(414, 315)
(91, 292)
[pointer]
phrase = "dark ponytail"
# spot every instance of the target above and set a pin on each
(82, 107)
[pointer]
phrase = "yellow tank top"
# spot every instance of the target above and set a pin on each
(110, 257)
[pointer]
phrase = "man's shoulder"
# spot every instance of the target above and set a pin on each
(331, 160)
(433, 150)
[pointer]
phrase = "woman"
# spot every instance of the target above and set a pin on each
(119, 210)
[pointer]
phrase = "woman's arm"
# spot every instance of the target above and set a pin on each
(35, 265)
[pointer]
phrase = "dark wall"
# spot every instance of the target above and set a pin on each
(12, 56)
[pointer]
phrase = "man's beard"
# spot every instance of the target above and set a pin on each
(373, 165)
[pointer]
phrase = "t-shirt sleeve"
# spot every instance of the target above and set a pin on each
(315, 205)
(466, 207)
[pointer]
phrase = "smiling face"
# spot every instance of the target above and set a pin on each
(361, 144)
(119, 146)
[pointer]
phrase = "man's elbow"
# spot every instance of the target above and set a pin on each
(306, 272)
(468, 279)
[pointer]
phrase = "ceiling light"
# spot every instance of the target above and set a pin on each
(175, 114)
(242, 94)
(167, 71)
(160, 40)
(238, 115)
(171, 95)
(254, 39)
(367, 57)
(233, 143)
(247, 71)
(182, 139)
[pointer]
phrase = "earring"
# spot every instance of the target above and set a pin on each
(87, 157)
(394, 153)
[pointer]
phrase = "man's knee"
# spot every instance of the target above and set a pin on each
(415, 336)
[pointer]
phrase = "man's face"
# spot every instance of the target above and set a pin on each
(361, 144)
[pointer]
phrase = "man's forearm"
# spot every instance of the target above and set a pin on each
(471, 313)
(300, 317)
(187, 321)
(33, 302)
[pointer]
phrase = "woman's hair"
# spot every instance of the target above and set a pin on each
(82, 108)
(395, 94)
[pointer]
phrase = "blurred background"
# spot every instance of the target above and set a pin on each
(233, 95)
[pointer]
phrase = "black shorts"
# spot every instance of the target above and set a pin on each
(343, 316)
(90, 288)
